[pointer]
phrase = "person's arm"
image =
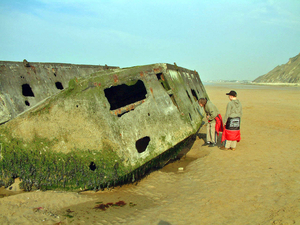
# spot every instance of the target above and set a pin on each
(213, 112)
(241, 110)
(227, 113)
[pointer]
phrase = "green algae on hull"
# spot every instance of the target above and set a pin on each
(40, 168)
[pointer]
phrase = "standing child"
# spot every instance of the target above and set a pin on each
(231, 133)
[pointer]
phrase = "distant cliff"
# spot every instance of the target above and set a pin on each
(285, 73)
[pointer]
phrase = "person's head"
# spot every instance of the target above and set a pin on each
(202, 102)
(232, 95)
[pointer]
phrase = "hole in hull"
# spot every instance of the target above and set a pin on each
(190, 116)
(59, 85)
(92, 166)
(122, 95)
(174, 101)
(27, 91)
(194, 94)
(189, 97)
(27, 103)
(163, 81)
(141, 144)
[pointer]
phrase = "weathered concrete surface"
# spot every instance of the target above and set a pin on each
(24, 84)
(112, 121)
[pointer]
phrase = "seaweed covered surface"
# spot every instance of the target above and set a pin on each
(40, 168)
(47, 170)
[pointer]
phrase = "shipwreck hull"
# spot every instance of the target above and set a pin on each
(103, 129)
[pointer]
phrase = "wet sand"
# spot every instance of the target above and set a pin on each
(259, 183)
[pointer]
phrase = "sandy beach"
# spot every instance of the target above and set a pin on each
(258, 183)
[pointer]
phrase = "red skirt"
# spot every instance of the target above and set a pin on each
(219, 124)
(231, 135)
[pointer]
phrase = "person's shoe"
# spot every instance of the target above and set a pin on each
(206, 144)
(233, 149)
(223, 148)
(212, 145)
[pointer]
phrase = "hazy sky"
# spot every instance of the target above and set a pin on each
(233, 39)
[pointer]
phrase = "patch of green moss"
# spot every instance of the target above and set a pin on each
(163, 138)
(72, 84)
(40, 168)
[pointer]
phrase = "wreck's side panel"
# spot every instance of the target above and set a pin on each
(24, 85)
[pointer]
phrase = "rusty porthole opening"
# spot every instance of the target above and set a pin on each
(122, 95)
(59, 85)
(141, 144)
(92, 166)
(27, 91)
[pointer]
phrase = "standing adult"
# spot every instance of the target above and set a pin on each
(231, 133)
(214, 119)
